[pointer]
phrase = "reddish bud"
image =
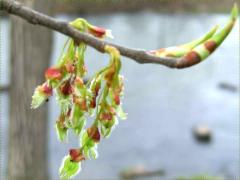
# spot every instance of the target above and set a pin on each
(97, 31)
(97, 88)
(53, 73)
(66, 88)
(94, 133)
(46, 89)
(93, 102)
(117, 99)
(76, 155)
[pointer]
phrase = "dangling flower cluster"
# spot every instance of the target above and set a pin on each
(100, 97)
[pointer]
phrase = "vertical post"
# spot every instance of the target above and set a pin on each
(30, 54)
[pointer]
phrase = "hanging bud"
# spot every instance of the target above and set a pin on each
(117, 99)
(46, 89)
(53, 73)
(76, 155)
(97, 88)
(94, 134)
(66, 88)
(93, 102)
(40, 95)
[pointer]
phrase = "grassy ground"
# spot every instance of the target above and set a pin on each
(172, 6)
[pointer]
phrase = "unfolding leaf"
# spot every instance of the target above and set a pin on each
(69, 168)
(38, 98)
(61, 131)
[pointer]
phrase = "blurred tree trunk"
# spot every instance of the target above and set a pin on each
(30, 54)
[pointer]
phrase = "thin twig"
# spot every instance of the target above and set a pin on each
(37, 18)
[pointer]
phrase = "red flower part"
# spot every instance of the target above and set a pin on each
(93, 102)
(76, 155)
(97, 88)
(117, 99)
(46, 89)
(53, 73)
(97, 31)
(66, 88)
(94, 134)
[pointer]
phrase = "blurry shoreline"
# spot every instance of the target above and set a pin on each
(101, 7)
(165, 6)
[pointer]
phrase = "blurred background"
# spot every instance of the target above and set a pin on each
(181, 123)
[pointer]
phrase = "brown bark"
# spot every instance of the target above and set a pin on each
(30, 53)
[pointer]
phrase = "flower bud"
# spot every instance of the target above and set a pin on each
(53, 73)
(97, 88)
(46, 89)
(93, 102)
(99, 32)
(76, 155)
(66, 88)
(117, 99)
(94, 134)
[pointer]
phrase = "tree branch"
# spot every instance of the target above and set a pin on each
(37, 18)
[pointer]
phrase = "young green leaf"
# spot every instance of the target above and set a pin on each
(38, 98)
(40, 95)
(69, 168)
(61, 131)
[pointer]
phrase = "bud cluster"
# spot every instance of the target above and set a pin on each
(100, 97)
